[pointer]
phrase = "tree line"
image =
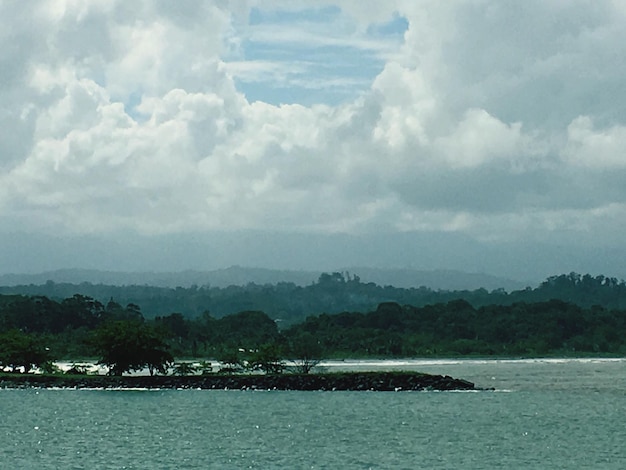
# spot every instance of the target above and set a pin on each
(35, 330)
(332, 293)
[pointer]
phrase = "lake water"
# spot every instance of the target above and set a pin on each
(544, 414)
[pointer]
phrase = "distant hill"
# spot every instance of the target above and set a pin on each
(241, 276)
(438, 279)
(234, 275)
(348, 291)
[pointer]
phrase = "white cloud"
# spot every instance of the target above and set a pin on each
(603, 149)
(486, 121)
(480, 139)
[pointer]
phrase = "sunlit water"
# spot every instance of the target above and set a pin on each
(549, 414)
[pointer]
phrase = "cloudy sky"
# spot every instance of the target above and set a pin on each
(481, 135)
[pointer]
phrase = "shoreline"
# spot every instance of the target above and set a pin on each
(336, 381)
(416, 361)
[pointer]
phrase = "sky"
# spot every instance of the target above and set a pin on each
(484, 135)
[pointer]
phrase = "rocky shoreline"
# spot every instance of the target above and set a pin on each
(348, 381)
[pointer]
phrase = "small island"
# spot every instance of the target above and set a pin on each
(136, 355)
(337, 381)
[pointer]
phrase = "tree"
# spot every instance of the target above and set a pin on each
(231, 361)
(306, 352)
(130, 345)
(176, 326)
(184, 368)
(176, 329)
(268, 359)
(22, 350)
(205, 367)
(80, 311)
(247, 329)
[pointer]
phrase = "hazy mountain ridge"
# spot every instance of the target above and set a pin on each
(216, 278)
(443, 279)
(240, 276)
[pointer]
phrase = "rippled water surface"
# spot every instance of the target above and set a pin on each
(543, 414)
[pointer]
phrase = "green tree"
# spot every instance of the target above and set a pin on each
(184, 368)
(268, 359)
(19, 350)
(205, 367)
(231, 361)
(130, 345)
(247, 330)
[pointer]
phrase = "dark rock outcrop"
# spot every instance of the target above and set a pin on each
(375, 381)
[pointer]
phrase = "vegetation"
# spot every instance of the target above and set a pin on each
(457, 328)
(290, 304)
(131, 345)
(579, 317)
(305, 350)
(20, 351)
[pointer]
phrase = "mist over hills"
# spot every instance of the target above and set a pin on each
(240, 276)
(138, 258)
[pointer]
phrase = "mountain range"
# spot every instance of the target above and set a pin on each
(237, 275)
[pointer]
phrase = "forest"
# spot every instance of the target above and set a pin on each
(288, 303)
(565, 315)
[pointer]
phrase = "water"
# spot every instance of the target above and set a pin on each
(544, 415)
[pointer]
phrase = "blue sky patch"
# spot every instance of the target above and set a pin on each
(312, 56)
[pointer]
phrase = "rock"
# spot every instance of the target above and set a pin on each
(377, 381)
